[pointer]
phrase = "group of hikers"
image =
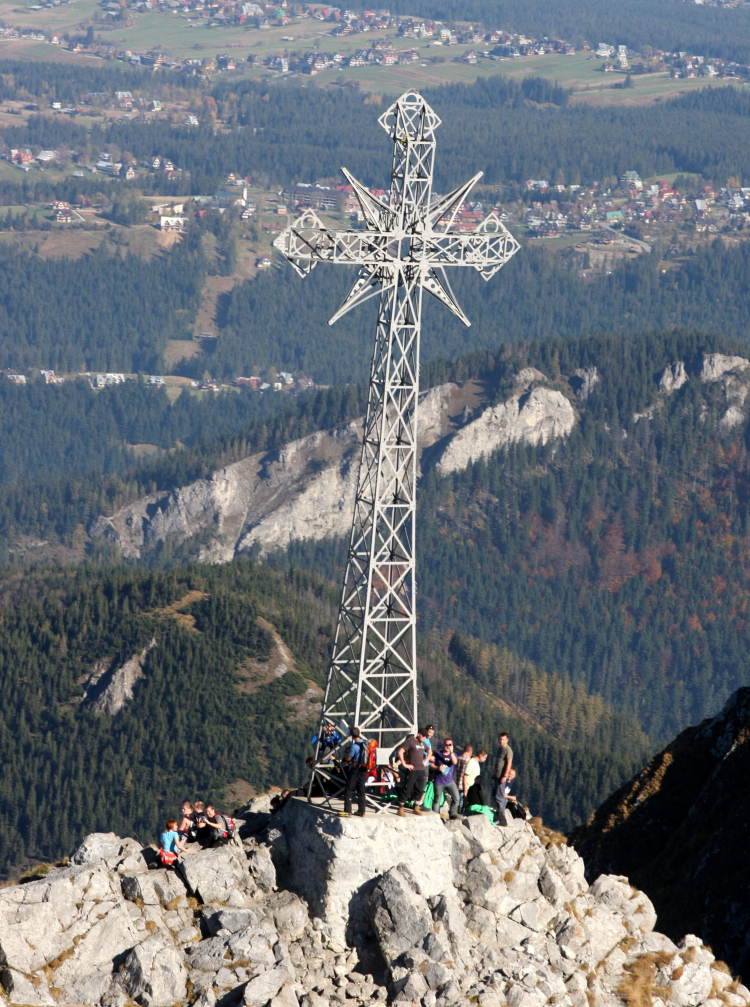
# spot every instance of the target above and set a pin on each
(202, 825)
(421, 774)
(424, 775)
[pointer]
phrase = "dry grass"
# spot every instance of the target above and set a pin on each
(35, 874)
(637, 986)
(721, 966)
(50, 968)
(174, 611)
(548, 837)
(151, 925)
(180, 349)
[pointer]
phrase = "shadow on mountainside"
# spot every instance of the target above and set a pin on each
(680, 831)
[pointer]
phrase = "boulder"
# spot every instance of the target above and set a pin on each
(97, 846)
(19, 989)
(289, 914)
(232, 920)
(85, 976)
(212, 874)
(333, 863)
(261, 868)
(154, 973)
(265, 986)
(399, 913)
(257, 945)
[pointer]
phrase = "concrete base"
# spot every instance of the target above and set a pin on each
(334, 862)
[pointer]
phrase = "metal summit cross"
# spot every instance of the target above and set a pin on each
(372, 680)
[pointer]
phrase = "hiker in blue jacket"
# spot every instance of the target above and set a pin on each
(355, 768)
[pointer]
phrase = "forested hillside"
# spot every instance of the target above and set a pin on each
(287, 133)
(618, 558)
(667, 24)
(209, 710)
(101, 312)
(536, 296)
(282, 132)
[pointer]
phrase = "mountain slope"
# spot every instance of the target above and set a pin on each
(124, 692)
(681, 831)
(618, 555)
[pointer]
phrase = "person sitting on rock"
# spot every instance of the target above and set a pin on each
(515, 807)
(412, 756)
(199, 816)
(215, 829)
(279, 800)
(187, 828)
(171, 847)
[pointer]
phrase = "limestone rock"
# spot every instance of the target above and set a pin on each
(535, 418)
(154, 974)
(233, 920)
(261, 868)
(716, 365)
(400, 915)
(673, 378)
(112, 691)
(289, 914)
(481, 914)
(97, 846)
(19, 989)
(85, 976)
(583, 381)
(733, 417)
(527, 377)
(213, 874)
(262, 988)
(334, 862)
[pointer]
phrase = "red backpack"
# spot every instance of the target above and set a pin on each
(167, 859)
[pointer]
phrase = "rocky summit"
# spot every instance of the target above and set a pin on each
(681, 829)
(306, 909)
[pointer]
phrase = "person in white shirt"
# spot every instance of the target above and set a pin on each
(471, 773)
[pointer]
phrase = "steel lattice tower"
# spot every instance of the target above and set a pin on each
(372, 680)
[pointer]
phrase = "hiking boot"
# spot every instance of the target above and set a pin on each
(418, 810)
(360, 814)
(402, 812)
(344, 814)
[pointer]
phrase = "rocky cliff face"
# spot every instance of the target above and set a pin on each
(306, 489)
(311, 910)
(681, 831)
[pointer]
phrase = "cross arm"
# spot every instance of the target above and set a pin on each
(487, 249)
(308, 241)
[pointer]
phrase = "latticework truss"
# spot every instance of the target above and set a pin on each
(404, 249)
